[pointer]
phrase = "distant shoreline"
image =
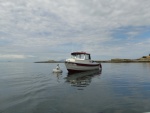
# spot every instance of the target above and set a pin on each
(49, 62)
(144, 59)
(123, 61)
(104, 61)
(118, 60)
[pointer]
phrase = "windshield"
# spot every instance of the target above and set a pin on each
(80, 56)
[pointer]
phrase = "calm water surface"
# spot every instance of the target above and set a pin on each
(33, 88)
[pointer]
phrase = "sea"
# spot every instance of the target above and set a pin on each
(34, 88)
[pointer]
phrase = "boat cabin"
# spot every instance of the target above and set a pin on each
(81, 55)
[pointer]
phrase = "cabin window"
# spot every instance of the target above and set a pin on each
(82, 56)
(79, 56)
(73, 56)
(87, 57)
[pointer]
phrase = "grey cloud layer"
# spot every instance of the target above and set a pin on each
(31, 24)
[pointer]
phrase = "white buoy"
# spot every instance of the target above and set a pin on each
(57, 70)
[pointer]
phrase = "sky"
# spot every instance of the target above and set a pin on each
(40, 30)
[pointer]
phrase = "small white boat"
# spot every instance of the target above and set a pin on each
(57, 70)
(81, 61)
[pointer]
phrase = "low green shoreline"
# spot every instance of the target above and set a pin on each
(118, 60)
(124, 61)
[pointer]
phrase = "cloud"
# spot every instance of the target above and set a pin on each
(14, 56)
(60, 26)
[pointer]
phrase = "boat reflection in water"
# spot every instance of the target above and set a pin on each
(82, 79)
(58, 76)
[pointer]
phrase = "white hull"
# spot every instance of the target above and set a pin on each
(72, 66)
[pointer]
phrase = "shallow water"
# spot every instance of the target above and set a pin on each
(33, 88)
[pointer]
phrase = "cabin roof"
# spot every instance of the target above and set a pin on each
(79, 53)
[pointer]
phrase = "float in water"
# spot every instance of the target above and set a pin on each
(57, 69)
